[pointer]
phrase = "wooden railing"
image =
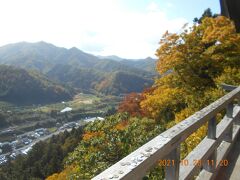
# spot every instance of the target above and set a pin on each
(204, 161)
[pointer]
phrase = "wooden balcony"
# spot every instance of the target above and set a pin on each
(203, 162)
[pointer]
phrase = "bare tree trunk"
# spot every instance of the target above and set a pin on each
(224, 8)
(231, 9)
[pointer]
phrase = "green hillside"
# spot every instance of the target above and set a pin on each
(28, 87)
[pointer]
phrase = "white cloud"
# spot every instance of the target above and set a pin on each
(101, 27)
(169, 4)
(152, 7)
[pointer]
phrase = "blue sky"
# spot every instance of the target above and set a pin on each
(127, 28)
(176, 8)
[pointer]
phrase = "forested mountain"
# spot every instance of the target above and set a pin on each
(113, 83)
(28, 87)
(80, 70)
(37, 56)
(123, 82)
(107, 65)
(147, 64)
(84, 79)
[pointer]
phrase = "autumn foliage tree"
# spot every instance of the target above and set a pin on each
(196, 59)
(106, 142)
(131, 104)
(194, 63)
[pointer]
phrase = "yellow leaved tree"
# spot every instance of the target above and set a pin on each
(193, 64)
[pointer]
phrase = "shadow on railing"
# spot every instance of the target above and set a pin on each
(204, 161)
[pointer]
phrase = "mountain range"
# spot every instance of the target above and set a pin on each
(76, 69)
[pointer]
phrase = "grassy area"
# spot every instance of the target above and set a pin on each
(52, 129)
(80, 101)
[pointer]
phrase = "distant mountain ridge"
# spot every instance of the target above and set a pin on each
(78, 69)
(111, 57)
(147, 64)
(42, 56)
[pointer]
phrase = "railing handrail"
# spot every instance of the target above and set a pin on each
(167, 144)
(228, 87)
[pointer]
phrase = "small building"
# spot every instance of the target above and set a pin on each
(58, 125)
(6, 147)
(22, 136)
(41, 131)
(26, 141)
(94, 119)
(70, 124)
(15, 154)
(14, 143)
(25, 151)
(3, 159)
(66, 109)
(5, 144)
(36, 135)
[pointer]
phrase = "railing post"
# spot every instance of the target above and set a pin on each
(172, 171)
(230, 110)
(238, 103)
(210, 164)
(238, 100)
(229, 113)
(212, 125)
